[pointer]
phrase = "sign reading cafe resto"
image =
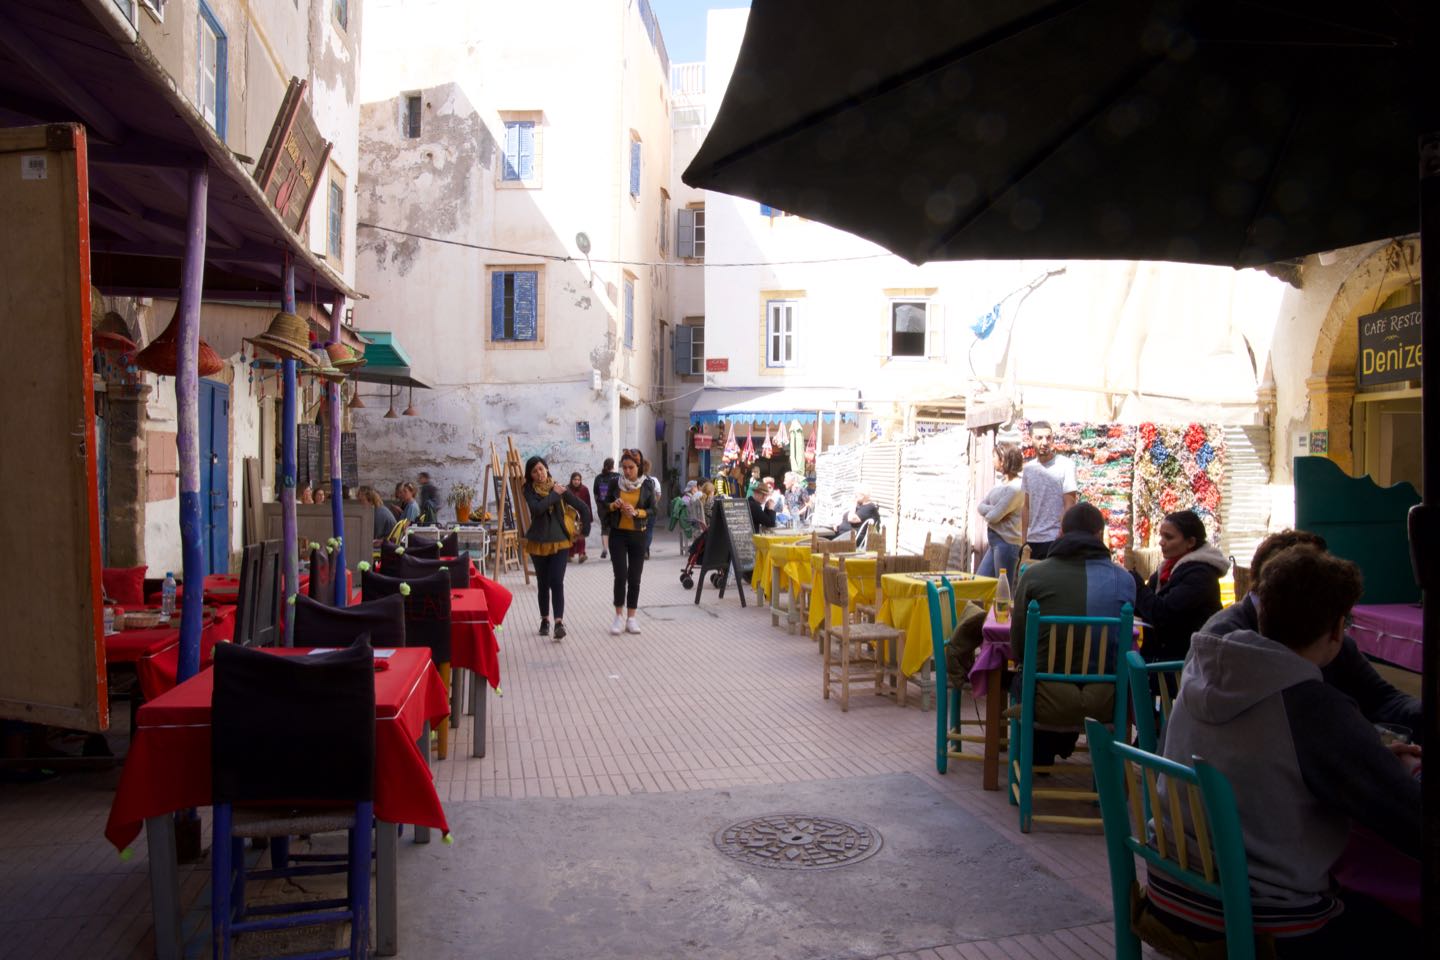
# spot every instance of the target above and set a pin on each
(293, 159)
(1389, 346)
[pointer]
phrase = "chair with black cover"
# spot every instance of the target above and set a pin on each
(292, 753)
(257, 614)
(322, 576)
(458, 568)
(319, 625)
(449, 545)
(427, 621)
(391, 553)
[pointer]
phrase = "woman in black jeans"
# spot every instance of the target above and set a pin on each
(546, 541)
(630, 505)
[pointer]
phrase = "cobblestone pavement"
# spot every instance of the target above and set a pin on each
(708, 696)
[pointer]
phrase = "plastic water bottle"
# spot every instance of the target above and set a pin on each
(167, 595)
(1003, 599)
(109, 619)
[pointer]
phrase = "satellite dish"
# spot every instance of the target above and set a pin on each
(582, 240)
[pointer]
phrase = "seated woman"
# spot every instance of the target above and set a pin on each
(1184, 592)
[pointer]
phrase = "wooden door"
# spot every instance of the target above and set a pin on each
(51, 647)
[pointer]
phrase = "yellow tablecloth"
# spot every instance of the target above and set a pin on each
(906, 607)
(793, 559)
(760, 576)
(859, 570)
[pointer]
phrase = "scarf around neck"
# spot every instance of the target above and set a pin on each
(543, 488)
(630, 486)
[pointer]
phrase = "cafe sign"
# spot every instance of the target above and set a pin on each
(293, 158)
(1389, 346)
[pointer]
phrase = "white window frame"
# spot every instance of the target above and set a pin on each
(890, 327)
(335, 179)
(697, 348)
(699, 231)
(778, 315)
(213, 113)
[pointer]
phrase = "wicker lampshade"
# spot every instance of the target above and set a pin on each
(111, 333)
(162, 354)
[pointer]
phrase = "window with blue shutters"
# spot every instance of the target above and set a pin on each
(514, 305)
(519, 150)
(635, 168)
(629, 313)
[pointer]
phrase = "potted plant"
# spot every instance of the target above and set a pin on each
(462, 495)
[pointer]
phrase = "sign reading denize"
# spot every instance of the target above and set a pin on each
(1390, 346)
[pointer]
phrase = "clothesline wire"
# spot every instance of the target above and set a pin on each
(566, 258)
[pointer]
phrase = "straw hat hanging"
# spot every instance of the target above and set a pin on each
(111, 333)
(344, 357)
(288, 338)
(161, 355)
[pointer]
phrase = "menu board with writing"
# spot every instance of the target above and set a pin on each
(728, 546)
(349, 460)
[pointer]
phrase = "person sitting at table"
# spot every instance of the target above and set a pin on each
(303, 494)
(762, 516)
(1078, 578)
(1303, 762)
(853, 520)
(383, 519)
(320, 495)
(409, 505)
(1350, 672)
(1184, 592)
(797, 498)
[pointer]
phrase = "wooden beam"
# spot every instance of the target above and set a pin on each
(87, 109)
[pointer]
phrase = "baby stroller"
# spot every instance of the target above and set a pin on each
(692, 560)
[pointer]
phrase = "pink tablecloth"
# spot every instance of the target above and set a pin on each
(994, 654)
(1389, 632)
(1372, 867)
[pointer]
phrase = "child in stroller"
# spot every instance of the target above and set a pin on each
(692, 560)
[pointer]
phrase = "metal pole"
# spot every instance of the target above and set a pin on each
(337, 423)
(187, 428)
(287, 469)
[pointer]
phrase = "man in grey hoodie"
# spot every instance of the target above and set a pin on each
(1302, 759)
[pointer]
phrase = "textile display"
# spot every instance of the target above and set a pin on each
(1178, 468)
(1104, 455)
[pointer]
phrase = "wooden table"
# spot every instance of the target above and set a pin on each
(168, 769)
(760, 576)
(786, 560)
(859, 572)
(154, 652)
(905, 606)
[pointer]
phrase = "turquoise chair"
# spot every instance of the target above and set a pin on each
(1094, 655)
(1203, 791)
(1146, 733)
(943, 617)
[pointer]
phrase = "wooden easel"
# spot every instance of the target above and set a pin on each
(515, 482)
(503, 480)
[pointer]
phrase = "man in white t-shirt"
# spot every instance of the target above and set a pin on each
(1048, 483)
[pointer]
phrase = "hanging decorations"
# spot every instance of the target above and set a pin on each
(767, 449)
(1178, 468)
(162, 354)
(1104, 455)
(747, 453)
(810, 449)
(731, 454)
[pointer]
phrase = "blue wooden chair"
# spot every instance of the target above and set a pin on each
(949, 721)
(1201, 795)
(1150, 697)
(1092, 657)
(292, 752)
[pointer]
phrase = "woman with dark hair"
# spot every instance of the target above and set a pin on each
(631, 506)
(547, 541)
(1001, 510)
(582, 493)
(1184, 592)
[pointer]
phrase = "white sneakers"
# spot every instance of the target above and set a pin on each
(618, 626)
(632, 625)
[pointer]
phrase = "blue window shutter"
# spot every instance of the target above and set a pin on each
(512, 151)
(629, 313)
(634, 168)
(766, 210)
(525, 161)
(525, 304)
(684, 343)
(685, 233)
(497, 305)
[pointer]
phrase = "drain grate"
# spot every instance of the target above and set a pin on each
(798, 842)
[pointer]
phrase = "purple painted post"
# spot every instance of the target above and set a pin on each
(187, 428)
(288, 526)
(337, 473)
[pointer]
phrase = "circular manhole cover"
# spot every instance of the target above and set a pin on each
(797, 842)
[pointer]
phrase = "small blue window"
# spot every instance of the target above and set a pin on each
(212, 64)
(519, 150)
(513, 305)
(629, 313)
(335, 245)
(635, 169)
(342, 13)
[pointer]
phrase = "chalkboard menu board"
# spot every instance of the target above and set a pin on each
(309, 454)
(349, 460)
(508, 520)
(729, 547)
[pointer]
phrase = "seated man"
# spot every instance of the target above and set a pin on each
(863, 510)
(762, 517)
(1077, 579)
(1350, 672)
(1303, 762)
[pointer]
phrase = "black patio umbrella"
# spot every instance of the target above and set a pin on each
(1211, 131)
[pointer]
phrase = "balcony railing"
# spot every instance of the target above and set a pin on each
(687, 79)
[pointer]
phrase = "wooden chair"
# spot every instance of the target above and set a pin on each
(860, 644)
(937, 555)
(886, 564)
(509, 546)
(870, 533)
(1242, 579)
(1139, 820)
(1097, 658)
(866, 612)
(1152, 684)
(823, 548)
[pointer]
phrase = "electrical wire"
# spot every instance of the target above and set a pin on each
(566, 258)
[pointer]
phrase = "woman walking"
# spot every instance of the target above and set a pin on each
(1001, 510)
(630, 505)
(578, 488)
(547, 541)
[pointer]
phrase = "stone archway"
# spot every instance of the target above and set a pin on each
(1331, 385)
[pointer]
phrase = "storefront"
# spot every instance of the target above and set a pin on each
(776, 430)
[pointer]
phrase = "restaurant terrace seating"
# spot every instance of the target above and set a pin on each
(458, 568)
(1139, 821)
(950, 722)
(293, 752)
(1152, 684)
(318, 624)
(257, 607)
(853, 652)
(1083, 652)
(322, 576)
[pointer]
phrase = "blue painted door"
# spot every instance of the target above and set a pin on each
(215, 475)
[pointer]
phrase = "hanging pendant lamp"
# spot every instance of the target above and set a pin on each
(355, 402)
(410, 411)
(391, 414)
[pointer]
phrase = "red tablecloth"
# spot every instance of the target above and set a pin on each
(222, 588)
(472, 640)
(497, 597)
(1389, 632)
(168, 767)
(156, 652)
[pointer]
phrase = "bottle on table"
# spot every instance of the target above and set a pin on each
(167, 595)
(1003, 598)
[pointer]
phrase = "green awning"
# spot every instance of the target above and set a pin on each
(386, 361)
